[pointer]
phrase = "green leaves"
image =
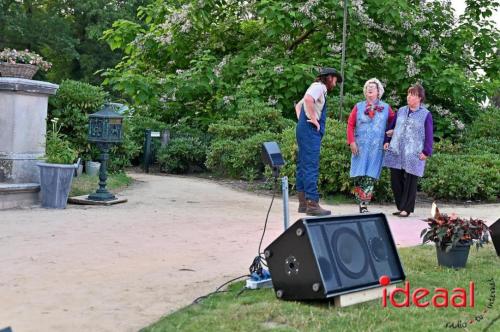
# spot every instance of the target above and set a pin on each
(463, 176)
(121, 34)
(57, 149)
(72, 104)
(235, 149)
(448, 231)
(204, 59)
(182, 154)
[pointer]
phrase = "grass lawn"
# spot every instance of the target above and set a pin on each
(259, 310)
(86, 184)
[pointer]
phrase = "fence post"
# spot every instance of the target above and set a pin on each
(147, 150)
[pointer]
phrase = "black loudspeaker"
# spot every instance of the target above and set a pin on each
(319, 258)
(495, 235)
(271, 154)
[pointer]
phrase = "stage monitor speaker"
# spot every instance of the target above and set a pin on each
(271, 154)
(323, 257)
(495, 235)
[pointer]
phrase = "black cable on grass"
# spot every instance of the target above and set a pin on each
(218, 289)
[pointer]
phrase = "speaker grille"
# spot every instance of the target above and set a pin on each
(277, 159)
(349, 252)
(352, 252)
(318, 258)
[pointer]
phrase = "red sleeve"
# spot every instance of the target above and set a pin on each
(391, 116)
(351, 124)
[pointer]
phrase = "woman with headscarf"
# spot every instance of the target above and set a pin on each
(366, 128)
(408, 148)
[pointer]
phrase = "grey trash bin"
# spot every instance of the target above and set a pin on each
(55, 184)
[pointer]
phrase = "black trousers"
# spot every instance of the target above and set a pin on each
(404, 188)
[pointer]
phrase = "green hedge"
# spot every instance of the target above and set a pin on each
(237, 142)
(72, 104)
(335, 163)
(187, 150)
(182, 155)
(486, 125)
(469, 169)
(463, 177)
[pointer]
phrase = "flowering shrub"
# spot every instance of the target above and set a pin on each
(448, 231)
(26, 57)
(201, 58)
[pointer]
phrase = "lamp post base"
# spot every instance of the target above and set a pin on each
(101, 196)
(84, 200)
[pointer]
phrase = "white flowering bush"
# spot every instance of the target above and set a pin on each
(275, 46)
(200, 59)
(26, 57)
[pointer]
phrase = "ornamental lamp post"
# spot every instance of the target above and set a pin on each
(105, 129)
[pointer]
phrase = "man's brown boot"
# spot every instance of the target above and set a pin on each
(313, 209)
(302, 201)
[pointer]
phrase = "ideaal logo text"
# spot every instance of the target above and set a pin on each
(440, 298)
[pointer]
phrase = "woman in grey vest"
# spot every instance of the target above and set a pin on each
(408, 148)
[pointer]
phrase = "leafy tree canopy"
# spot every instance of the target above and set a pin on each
(66, 33)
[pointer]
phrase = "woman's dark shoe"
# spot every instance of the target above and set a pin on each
(404, 214)
(397, 213)
(363, 209)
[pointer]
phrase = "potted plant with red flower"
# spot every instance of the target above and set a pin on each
(453, 236)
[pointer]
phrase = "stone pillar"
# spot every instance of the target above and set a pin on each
(23, 113)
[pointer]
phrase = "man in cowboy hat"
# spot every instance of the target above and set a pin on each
(311, 113)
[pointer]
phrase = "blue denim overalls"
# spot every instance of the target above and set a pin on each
(309, 142)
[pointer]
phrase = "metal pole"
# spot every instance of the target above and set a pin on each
(102, 194)
(342, 63)
(147, 149)
(284, 189)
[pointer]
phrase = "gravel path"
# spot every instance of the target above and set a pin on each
(121, 268)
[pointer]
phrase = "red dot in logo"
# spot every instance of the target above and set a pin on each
(384, 280)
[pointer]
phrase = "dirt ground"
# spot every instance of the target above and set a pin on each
(121, 268)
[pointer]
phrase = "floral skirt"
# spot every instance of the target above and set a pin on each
(363, 189)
